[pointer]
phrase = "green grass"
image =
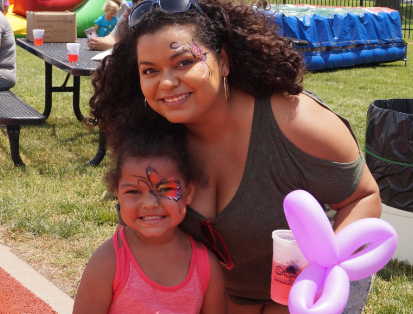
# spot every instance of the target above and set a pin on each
(349, 91)
(392, 292)
(54, 213)
(54, 198)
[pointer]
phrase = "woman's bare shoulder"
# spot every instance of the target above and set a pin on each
(313, 128)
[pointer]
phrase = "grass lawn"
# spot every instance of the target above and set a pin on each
(54, 213)
(349, 92)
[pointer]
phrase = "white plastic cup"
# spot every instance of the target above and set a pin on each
(38, 35)
(73, 52)
(287, 263)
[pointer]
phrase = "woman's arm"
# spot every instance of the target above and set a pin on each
(320, 133)
(364, 203)
(215, 301)
(95, 289)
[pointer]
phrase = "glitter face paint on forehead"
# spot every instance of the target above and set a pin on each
(162, 188)
(196, 52)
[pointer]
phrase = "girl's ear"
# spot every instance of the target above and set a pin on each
(191, 191)
(223, 61)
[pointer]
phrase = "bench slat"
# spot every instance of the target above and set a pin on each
(14, 111)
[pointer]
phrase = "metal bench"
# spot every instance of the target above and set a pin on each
(14, 112)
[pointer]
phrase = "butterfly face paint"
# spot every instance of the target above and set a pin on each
(165, 188)
(196, 52)
(162, 188)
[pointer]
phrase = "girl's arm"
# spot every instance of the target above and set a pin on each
(96, 28)
(215, 301)
(95, 289)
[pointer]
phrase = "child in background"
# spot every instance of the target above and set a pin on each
(151, 265)
(6, 6)
(107, 22)
(123, 8)
(107, 42)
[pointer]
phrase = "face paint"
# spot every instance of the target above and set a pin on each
(196, 52)
(162, 188)
(165, 188)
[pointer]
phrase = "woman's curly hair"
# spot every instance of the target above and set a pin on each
(261, 63)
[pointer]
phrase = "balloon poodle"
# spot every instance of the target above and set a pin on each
(323, 286)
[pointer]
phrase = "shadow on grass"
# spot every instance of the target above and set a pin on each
(396, 268)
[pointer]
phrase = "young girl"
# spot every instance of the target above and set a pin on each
(152, 266)
(107, 22)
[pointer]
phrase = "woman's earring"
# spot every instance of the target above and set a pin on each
(226, 88)
(145, 103)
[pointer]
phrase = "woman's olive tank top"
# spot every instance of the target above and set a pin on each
(274, 167)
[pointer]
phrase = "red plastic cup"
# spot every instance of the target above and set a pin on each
(38, 36)
(73, 57)
(38, 41)
(73, 52)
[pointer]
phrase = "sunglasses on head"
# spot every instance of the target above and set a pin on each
(173, 6)
(222, 253)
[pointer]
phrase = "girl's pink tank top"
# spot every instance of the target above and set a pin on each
(134, 292)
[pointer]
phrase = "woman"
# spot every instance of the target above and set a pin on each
(221, 75)
(7, 54)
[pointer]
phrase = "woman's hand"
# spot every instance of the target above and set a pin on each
(102, 43)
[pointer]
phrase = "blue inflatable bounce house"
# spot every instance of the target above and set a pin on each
(342, 36)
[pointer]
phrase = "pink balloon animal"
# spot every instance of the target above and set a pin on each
(323, 287)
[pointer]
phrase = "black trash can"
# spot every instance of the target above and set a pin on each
(389, 156)
(389, 150)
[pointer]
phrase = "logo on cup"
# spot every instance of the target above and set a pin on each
(287, 273)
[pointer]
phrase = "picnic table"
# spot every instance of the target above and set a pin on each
(14, 112)
(55, 54)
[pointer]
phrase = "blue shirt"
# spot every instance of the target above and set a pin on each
(105, 26)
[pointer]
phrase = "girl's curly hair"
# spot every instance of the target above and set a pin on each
(261, 63)
(157, 144)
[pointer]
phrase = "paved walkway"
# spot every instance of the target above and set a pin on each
(36, 283)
